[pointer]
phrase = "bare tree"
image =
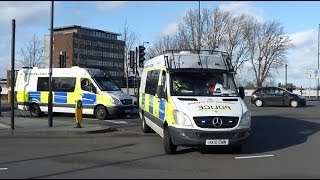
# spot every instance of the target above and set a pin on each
(130, 38)
(33, 53)
(236, 31)
(268, 48)
(211, 32)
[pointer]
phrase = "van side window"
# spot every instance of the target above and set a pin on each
(43, 84)
(64, 84)
(152, 82)
(86, 85)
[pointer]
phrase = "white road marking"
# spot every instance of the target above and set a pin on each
(117, 122)
(1, 169)
(246, 157)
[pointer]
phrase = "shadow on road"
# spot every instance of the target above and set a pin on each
(271, 133)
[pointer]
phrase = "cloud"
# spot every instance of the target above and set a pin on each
(25, 13)
(302, 57)
(171, 28)
(107, 6)
(245, 7)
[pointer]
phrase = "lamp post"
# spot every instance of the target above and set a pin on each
(145, 42)
(286, 75)
(50, 68)
(318, 65)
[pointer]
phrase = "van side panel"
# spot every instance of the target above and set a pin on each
(147, 102)
(169, 112)
(44, 97)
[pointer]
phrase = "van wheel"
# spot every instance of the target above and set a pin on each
(294, 103)
(35, 110)
(169, 147)
(100, 112)
(258, 103)
(145, 127)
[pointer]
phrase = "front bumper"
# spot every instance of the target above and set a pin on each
(190, 137)
(119, 110)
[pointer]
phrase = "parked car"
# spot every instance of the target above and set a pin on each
(276, 96)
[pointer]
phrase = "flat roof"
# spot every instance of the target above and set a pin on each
(76, 26)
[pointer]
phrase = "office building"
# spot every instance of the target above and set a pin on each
(87, 47)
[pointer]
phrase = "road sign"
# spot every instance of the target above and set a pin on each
(313, 74)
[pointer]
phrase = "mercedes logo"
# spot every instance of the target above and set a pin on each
(217, 122)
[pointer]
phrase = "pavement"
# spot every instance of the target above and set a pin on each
(27, 125)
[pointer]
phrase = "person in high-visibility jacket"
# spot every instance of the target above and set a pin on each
(78, 113)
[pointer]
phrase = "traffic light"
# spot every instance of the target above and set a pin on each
(131, 59)
(62, 59)
(141, 55)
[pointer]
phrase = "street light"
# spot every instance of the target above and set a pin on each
(145, 42)
(286, 75)
(318, 64)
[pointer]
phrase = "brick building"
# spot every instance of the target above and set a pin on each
(87, 47)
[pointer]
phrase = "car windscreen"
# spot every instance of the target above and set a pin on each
(107, 84)
(202, 84)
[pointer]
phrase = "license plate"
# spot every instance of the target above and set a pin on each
(217, 141)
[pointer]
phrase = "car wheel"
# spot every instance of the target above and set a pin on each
(100, 113)
(258, 103)
(169, 147)
(145, 127)
(35, 110)
(294, 103)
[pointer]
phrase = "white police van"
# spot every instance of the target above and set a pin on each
(177, 101)
(99, 93)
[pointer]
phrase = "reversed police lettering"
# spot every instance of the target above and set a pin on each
(214, 107)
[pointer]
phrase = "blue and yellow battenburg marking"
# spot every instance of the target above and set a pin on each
(58, 97)
(154, 106)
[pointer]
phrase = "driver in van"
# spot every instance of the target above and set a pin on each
(178, 85)
(214, 87)
(85, 85)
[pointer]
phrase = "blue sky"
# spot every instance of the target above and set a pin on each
(151, 19)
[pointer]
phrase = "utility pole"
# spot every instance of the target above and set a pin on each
(286, 75)
(12, 71)
(199, 35)
(318, 65)
(50, 69)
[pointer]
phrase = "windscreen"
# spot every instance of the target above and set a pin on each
(107, 84)
(202, 84)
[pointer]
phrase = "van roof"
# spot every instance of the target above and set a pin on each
(190, 60)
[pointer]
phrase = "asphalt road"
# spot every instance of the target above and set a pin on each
(284, 144)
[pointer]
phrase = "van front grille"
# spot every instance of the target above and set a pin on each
(208, 121)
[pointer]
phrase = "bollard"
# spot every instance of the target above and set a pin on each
(78, 113)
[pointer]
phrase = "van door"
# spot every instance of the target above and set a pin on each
(151, 101)
(89, 97)
(162, 95)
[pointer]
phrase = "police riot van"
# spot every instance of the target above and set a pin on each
(191, 99)
(99, 93)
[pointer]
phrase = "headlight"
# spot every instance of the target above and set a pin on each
(245, 120)
(115, 101)
(182, 119)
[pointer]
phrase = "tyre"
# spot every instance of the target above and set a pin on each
(145, 127)
(100, 112)
(294, 103)
(169, 147)
(35, 110)
(258, 103)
